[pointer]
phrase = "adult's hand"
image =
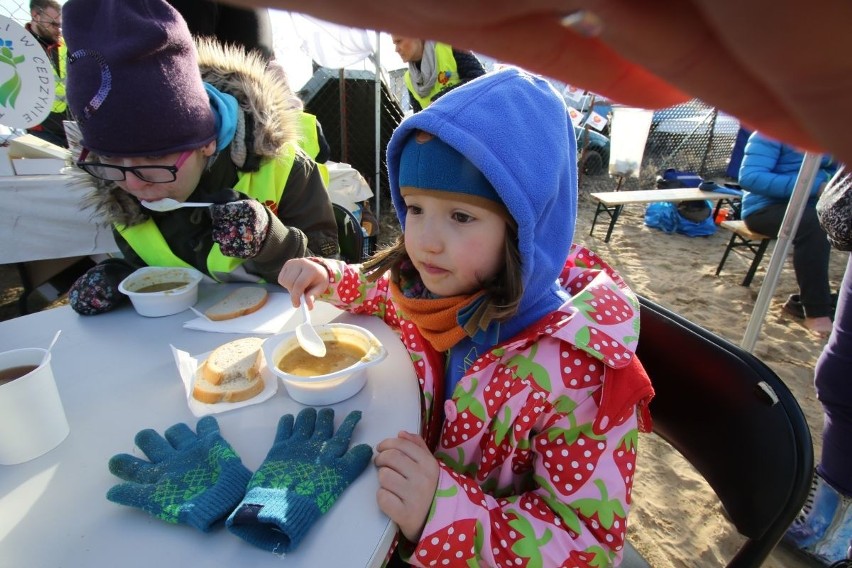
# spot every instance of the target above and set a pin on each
(781, 68)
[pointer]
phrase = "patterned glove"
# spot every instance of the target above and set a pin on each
(303, 475)
(192, 478)
(239, 225)
(96, 291)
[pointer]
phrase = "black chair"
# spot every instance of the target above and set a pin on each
(350, 235)
(735, 421)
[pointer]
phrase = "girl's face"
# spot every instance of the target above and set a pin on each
(454, 245)
(187, 176)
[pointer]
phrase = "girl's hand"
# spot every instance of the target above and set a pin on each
(303, 276)
(408, 478)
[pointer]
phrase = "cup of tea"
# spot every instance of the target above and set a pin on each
(32, 420)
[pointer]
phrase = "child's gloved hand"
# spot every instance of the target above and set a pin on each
(192, 478)
(303, 475)
(239, 225)
(96, 291)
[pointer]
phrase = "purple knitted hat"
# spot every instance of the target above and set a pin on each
(133, 82)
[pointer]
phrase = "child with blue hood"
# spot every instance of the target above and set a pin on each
(523, 343)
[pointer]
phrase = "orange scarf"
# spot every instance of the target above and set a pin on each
(436, 318)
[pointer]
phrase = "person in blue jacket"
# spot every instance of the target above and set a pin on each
(768, 175)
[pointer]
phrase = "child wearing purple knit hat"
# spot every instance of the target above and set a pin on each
(161, 117)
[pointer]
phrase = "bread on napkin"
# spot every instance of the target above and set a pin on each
(240, 302)
(232, 372)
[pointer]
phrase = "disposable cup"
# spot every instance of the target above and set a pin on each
(32, 420)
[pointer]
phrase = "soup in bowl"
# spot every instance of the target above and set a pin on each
(350, 350)
(162, 290)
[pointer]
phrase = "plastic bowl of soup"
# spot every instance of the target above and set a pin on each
(162, 291)
(350, 351)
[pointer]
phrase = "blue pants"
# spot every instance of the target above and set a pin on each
(833, 381)
(811, 251)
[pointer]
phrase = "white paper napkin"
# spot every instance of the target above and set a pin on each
(188, 369)
(267, 320)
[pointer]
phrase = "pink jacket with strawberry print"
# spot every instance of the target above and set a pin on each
(537, 445)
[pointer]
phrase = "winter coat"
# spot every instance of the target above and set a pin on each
(301, 223)
(769, 170)
(536, 442)
(530, 467)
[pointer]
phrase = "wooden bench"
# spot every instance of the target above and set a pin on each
(742, 238)
(612, 202)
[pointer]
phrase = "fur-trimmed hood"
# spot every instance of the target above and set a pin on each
(269, 114)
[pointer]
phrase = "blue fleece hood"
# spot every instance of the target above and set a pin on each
(514, 128)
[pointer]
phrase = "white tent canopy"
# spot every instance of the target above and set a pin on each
(301, 40)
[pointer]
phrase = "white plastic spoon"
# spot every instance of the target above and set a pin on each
(200, 313)
(169, 204)
(53, 342)
(307, 336)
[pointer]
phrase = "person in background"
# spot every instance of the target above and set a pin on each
(529, 429)
(768, 175)
(434, 68)
(46, 27)
(313, 142)
(823, 530)
(206, 124)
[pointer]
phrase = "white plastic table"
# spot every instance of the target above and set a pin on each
(41, 218)
(116, 375)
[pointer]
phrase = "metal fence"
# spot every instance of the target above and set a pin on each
(344, 103)
(18, 10)
(691, 137)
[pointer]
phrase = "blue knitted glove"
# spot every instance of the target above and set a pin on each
(303, 475)
(192, 478)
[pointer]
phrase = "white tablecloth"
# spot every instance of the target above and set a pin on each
(116, 376)
(41, 218)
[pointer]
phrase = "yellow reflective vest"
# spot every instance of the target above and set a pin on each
(447, 74)
(59, 104)
(265, 185)
(309, 142)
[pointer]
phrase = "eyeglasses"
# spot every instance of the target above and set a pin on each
(151, 174)
(50, 21)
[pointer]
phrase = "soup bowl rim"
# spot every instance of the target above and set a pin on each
(194, 275)
(272, 345)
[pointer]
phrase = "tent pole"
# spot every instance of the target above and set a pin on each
(378, 98)
(798, 200)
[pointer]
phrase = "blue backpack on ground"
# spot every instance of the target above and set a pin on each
(690, 218)
(666, 217)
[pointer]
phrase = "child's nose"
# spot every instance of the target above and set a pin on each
(430, 238)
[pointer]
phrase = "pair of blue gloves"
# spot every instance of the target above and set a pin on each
(196, 478)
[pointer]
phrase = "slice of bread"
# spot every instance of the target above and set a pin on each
(232, 372)
(242, 301)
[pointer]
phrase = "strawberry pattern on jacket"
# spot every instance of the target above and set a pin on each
(537, 445)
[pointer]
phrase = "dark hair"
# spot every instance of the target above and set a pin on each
(505, 289)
